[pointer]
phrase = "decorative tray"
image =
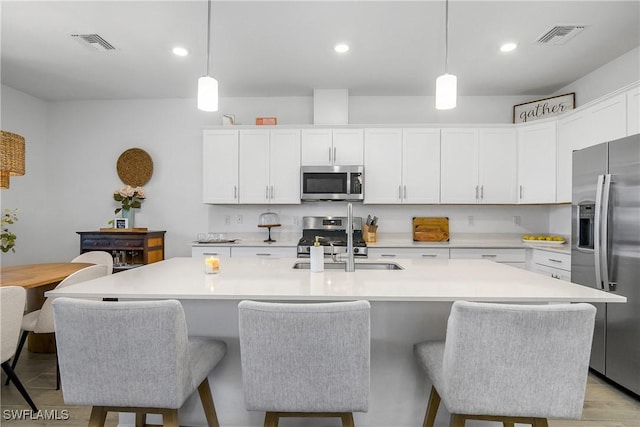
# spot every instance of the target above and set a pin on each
(545, 242)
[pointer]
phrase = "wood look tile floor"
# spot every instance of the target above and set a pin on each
(605, 405)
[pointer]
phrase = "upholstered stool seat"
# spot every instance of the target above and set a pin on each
(510, 363)
(305, 360)
(132, 357)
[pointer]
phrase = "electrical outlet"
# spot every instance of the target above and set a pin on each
(470, 219)
(239, 219)
(227, 219)
(516, 219)
(296, 220)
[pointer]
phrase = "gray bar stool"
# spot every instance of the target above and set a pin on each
(132, 357)
(305, 360)
(510, 363)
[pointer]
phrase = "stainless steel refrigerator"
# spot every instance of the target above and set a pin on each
(605, 251)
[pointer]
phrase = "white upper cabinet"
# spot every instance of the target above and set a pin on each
(331, 147)
(537, 163)
(602, 122)
(402, 166)
(420, 166)
(459, 166)
(497, 172)
(220, 151)
(633, 111)
(383, 166)
(478, 166)
(269, 166)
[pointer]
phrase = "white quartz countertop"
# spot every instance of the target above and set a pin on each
(275, 279)
(403, 240)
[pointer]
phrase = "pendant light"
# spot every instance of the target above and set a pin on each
(207, 85)
(446, 84)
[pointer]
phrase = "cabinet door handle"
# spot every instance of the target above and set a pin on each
(266, 192)
(235, 191)
(263, 254)
(388, 255)
(476, 192)
(405, 191)
(335, 156)
(429, 255)
(400, 192)
(482, 191)
(521, 192)
(272, 192)
(329, 154)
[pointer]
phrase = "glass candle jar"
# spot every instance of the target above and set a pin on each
(211, 265)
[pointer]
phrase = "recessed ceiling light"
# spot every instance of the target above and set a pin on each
(341, 48)
(508, 47)
(180, 51)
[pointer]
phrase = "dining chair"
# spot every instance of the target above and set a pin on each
(41, 321)
(12, 300)
(509, 363)
(96, 257)
(305, 360)
(132, 357)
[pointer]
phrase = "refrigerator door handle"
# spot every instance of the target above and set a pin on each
(597, 231)
(604, 234)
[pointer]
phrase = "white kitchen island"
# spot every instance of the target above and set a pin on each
(408, 306)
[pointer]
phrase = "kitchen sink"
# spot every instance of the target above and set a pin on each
(359, 266)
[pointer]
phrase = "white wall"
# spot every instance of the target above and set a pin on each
(618, 73)
(27, 116)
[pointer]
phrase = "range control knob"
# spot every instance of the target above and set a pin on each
(308, 249)
(356, 250)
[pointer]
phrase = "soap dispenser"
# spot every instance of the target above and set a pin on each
(317, 257)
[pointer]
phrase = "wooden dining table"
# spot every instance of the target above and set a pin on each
(37, 279)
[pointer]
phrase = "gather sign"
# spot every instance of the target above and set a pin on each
(543, 108)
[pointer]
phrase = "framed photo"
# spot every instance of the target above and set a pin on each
(543, 108)
(121, 223)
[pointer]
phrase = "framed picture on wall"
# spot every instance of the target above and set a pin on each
(543, 108)
(120, 223)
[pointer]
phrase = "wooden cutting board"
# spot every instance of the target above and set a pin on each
(430, 229)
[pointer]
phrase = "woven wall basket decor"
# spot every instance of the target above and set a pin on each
(135, 167)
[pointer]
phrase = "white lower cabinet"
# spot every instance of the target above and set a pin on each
(207, 251)
(513, 257)
(262, 251)
(550, 263)
(413, 253)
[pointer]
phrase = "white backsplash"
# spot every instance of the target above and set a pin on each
(394, 219)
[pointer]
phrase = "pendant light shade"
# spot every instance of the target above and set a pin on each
(446, 84)
(207, 94)
(207, 85)
(446, 91)
(11, 157)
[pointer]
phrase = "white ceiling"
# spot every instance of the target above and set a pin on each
(265, 48)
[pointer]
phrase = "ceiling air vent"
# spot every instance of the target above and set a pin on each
(93, 41)
(560, 34)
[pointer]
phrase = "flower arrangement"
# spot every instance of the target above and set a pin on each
(130, 197)
(7, 238)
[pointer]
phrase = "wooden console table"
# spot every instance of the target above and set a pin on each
(133, 247)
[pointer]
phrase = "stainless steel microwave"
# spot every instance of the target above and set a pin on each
(332, 182)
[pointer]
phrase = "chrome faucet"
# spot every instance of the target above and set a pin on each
(350, 266)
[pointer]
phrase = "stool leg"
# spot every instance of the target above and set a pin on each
(141, 419)
(457, 420)
(347, 419)
(271, 419)
(507, 424)
(170, 418)
(98, 416)
(207, 403)
(540, 422)
(432, 408)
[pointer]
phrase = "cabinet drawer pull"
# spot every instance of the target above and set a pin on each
(554, 260)
(489, 256)
(388, 255)
(263, 254)
(429, 255)
(211, 253)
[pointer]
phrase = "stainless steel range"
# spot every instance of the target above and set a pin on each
(332, 230)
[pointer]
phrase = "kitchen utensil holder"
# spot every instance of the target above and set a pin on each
(369, 234)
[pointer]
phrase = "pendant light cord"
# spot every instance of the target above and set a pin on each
(446, 37)
(208, 33)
